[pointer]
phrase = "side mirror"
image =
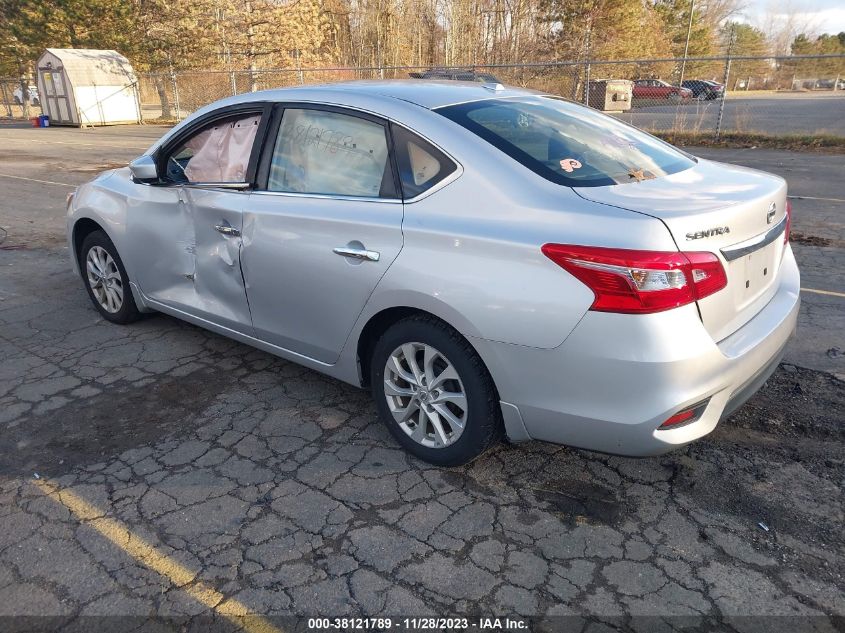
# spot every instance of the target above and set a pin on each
(144, 169)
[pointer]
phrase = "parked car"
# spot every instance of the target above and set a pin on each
(830, 84)
(486, 261)
(659, 90)
(704, 90)
(32, 96)
(454, 74)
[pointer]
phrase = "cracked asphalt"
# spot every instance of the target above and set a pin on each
(261, 484)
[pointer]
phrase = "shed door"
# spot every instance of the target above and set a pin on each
(55, 99)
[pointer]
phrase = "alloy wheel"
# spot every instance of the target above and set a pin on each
(104, 279)
(425, 395)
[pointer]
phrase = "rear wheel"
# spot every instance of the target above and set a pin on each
(434, 393)
(106, 279)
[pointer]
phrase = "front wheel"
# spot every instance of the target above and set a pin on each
(674, 97)
(434, 393)
(106, 279)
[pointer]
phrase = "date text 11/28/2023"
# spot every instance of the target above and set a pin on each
(417, 624)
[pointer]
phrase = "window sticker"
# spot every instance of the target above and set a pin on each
(569, 165)
(640, 174)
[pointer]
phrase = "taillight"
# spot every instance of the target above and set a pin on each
(640, 282)
(788, 222)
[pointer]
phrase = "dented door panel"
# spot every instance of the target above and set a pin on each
(163, 244)
(219, 294)
(183, 261)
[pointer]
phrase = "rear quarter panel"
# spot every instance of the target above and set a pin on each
(472, 254)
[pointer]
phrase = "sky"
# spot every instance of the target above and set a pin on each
(821, 16)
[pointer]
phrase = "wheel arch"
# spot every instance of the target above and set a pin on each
(514, 427)
(381, 320)
(82, 228)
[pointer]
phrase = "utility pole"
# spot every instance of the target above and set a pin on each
(686, 46)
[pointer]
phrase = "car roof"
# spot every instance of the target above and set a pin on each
(427, 93)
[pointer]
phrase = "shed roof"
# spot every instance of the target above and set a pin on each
(93, 67)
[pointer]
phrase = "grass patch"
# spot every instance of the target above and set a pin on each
(825, 143)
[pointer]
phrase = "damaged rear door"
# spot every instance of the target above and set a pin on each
(189, 240)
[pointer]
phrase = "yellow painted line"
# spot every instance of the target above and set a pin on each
(44, 182)
(824, 292)
(146, 554)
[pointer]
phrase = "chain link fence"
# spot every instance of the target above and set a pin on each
(698, 96)
(19, 98)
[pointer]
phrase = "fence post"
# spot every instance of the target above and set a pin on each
(234, 82)
(6, 99)
(136, 86)
(724, 96)
(175, 95)
(24, 84)
(587, 84)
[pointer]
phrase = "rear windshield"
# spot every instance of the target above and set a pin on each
(568, 143)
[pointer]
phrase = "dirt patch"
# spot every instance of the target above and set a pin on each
(778, 460)
(95, 429)
(809, 240)
(86, 169)
(796, 403)
(821, 143)
(581, 501)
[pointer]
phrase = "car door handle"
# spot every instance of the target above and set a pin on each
(357, 253)
(227, 230)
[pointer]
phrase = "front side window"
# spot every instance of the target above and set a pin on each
(322, 152)
(567, 143)
(218, 153)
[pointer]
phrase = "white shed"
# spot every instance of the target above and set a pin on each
(83, 87)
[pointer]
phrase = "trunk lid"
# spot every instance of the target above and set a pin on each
(735, 212)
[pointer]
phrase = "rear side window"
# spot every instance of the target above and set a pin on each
(322, 152)
(421, 165)
(567, 143)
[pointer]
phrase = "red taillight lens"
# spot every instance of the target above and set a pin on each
(686, 416)
(788, 222)
(640, 282)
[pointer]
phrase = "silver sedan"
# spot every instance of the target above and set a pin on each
(490, 262)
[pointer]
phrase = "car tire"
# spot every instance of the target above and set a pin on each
(674, 97)
(424, 337)
(106, 280)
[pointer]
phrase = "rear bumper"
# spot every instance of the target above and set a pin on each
(618, 377)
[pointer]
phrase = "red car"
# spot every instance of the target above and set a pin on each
(659, 90)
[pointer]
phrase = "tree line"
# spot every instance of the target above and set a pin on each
(165, 35)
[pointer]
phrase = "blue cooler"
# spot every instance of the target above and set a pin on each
(44, 120)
